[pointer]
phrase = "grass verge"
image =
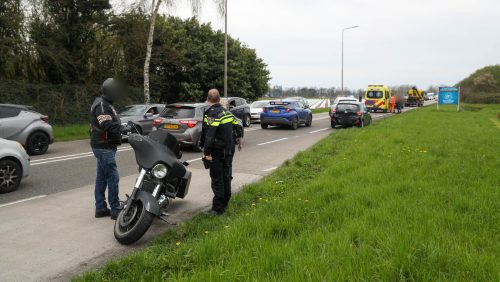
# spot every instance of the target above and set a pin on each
(71, 132)
(320, 110)
(413, 197)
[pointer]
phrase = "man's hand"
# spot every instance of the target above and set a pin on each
(239, 141)
(208, 157)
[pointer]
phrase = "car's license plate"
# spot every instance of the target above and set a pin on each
(275, 111)
(171, 126)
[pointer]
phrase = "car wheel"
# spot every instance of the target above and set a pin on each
(295, 123)
(37, 143)
(10, 176)
(264, 125)
(309, 121)
(246, 121)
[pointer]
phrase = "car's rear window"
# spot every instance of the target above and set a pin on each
(179, 112)
(347, 107)
(7, 112)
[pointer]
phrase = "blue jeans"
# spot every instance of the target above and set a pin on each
(107, 176)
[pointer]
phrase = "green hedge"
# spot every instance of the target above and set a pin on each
(480, 98)
(64, 104)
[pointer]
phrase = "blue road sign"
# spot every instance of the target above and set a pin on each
(449, 95)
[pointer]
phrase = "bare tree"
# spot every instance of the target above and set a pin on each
(155, 7)
(149, 47)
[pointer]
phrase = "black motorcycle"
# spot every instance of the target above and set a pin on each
(162, 177)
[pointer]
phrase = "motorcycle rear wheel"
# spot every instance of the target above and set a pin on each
(132, 226)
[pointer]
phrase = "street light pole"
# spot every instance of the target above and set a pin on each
(225, 48)
(342, 70)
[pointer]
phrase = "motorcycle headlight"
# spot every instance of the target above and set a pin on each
(160, 171)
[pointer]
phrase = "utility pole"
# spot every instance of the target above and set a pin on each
(342, 70)
(225, 48)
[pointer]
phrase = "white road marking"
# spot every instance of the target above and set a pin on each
(76, 156)
(274, 141)
(23, 200)
(269, 169)
(319, 130)
(194, 160)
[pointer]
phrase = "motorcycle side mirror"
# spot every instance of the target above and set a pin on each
(133, 127)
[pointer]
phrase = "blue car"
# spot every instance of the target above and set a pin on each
(288, 113)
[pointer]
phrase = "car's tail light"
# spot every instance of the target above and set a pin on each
(157, 121)
(288, 110)
(45, 118)
(360, 114)
(189, 123)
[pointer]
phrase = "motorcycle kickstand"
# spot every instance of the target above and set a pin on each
(163, 216)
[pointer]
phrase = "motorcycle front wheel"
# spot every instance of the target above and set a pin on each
(131, 226)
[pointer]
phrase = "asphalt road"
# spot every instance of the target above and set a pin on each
(70, 165)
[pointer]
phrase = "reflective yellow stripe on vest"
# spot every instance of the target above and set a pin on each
(227, 118)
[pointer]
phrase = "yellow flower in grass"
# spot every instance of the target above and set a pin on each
(178, 243)
(206, 232)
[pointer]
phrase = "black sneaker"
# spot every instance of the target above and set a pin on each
(114, 216)
(105, 213)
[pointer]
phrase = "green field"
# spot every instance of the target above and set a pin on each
(320, 110)
(71, 132)
(413, 197)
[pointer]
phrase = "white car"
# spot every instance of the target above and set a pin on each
(256, 109)
(14, 165)
(343, 100)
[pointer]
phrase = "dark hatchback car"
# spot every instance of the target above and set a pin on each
(350, 114)
(239, 108)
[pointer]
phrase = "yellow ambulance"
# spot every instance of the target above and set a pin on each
(377, 98)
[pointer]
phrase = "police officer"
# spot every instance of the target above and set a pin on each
(105, 136)
(218, 142)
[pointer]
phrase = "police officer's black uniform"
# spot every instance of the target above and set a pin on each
(219, 141)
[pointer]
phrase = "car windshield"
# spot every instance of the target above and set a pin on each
(374, 94)
(348, 108)
(133, 111)
(179, 112)
(259, 104)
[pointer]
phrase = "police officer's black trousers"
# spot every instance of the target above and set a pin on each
(221, 172)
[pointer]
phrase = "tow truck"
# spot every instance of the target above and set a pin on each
(415, 97)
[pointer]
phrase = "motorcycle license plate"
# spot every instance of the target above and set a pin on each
(275, 111)
(171, 126)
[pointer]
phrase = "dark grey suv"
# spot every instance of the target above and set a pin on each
(239, 108)
(142, 115)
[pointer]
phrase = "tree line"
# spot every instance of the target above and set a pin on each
(82, 42)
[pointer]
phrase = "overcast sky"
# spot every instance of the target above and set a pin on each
(422, 42)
